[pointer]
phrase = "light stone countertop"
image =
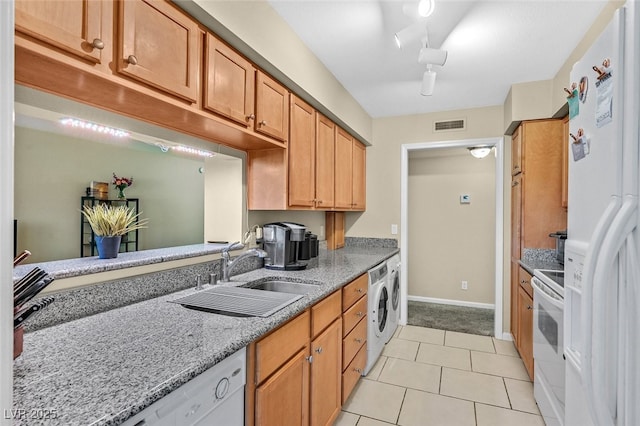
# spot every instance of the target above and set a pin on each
(105, 368)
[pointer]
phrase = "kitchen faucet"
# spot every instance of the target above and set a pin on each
(228, 264)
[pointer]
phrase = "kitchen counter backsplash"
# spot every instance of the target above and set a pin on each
(533, 258)
(370, 242)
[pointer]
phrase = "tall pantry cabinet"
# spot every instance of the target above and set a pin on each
(536, 211)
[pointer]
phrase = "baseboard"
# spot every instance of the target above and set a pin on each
(506, 336)
(451, 302)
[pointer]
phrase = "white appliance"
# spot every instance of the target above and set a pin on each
(602, 290)
(214, 398)
(548, 345)
(393, 286)
(377, 314)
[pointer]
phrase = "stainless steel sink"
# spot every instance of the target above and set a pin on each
(282, 286)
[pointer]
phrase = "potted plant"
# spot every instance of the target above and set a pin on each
(109, 224)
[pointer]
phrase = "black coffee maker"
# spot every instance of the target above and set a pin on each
(281, 242)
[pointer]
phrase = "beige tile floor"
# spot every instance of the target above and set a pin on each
(428, 377)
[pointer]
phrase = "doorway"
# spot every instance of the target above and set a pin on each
(405, 223)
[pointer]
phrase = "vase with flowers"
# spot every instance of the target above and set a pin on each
(122, 183)
(109, 223)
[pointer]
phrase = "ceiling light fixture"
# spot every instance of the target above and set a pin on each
(428, 82)
(413, 32)
(426, 7)
(480, 151)
(429, 55)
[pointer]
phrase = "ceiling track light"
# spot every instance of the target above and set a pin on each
(428, 82)
(411, 33)
(480, 151)
(429, 55)
(426, 7)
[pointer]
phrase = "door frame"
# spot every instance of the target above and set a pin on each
(498, 143)
(6, 207)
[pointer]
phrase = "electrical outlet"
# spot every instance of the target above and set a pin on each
(394, 229)
(321, 232)
(465, 285)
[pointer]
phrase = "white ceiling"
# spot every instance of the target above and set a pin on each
(491, 45)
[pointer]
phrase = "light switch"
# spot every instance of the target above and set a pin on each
(394, 229)
(465, 199)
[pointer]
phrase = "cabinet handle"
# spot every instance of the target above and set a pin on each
(309, 358)
(251, 117)
(319, 350)
(529, 307)
(132, 60)
(360, 314)
(263, 123)
(358, 340)
(359, 290)
(319, 201)
(515, 183)
(523, 281)
(97, 44)
(358, 370)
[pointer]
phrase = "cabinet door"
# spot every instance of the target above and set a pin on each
(272, 108)
(74, 26)
(284, 398)
(516, 217)
(229, 84)
(325, 165)
(159, 46)
(326, 376)
(525, 330)
(515, 291)
(565, 162)
(302, 157)
(344, 170)
(359, 195)
(516, 152)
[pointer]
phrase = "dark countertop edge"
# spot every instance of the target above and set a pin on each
(91, 265)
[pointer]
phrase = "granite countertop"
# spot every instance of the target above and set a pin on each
(90, 265)
(539, 259)
(105, 368)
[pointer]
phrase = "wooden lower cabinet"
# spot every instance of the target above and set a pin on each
(326, 379)
(283, 399)
(515, 287)
(525, 329)
(354, 332)
(295, 372)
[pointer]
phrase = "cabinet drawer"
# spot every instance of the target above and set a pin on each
(275, 349)
(354, 291)
(353, 373)
(354, 315)
(352, 343)
(325, 312)
(524, 278)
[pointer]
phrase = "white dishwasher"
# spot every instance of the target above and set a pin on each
(214, 398)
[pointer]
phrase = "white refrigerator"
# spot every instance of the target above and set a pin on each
(602, 278)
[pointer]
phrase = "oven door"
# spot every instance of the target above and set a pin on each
(548, 344)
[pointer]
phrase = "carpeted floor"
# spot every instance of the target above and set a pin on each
(451, 318)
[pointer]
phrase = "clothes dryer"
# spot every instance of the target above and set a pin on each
(393, 287)
(377, 314)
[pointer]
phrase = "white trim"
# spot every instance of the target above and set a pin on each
(506, 336)
(451, 302)
(6, 208)
(498, 143)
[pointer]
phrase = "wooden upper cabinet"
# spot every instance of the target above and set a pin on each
(75, 26)
(516, 152)
(272, 107)
(325, 162)
(229, 83)
(359, 195)
(302, 156)
(159, 46)
(344, 169)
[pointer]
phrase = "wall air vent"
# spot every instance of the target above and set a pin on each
(450, 125)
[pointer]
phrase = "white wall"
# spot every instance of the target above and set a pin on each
(448, 241)
(223, 199)
(52, 172)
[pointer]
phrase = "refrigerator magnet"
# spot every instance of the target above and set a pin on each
(580, 145)
(583, 89)
(572, 101)
(604, 94)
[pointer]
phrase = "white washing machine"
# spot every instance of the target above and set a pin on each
(393, 287)
(377, 314)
